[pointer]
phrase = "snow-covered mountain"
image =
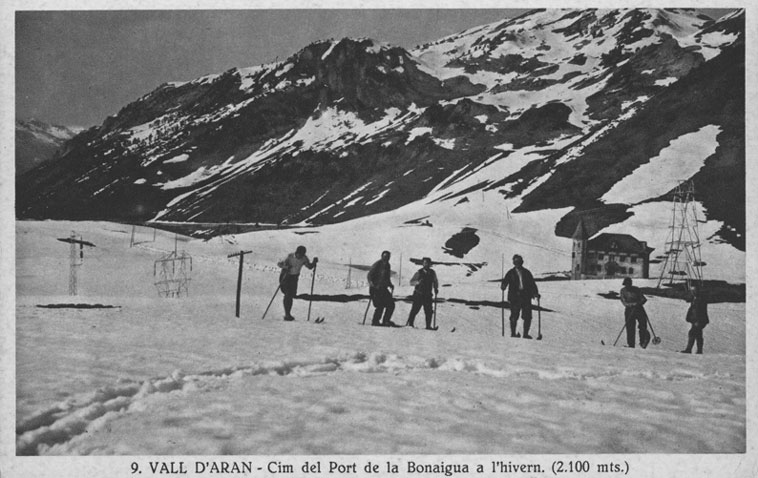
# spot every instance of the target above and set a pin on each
(37, 142)
(555, 109)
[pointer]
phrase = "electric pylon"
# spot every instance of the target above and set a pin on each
(683, 258)
(173, 272)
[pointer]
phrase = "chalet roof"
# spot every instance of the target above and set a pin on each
(622, 243)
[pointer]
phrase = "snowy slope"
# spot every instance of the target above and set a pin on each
(184, 376)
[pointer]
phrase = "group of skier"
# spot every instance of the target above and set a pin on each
(380, 287)
(519, 282)
(634, 314)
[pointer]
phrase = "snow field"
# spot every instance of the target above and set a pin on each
(184, 376)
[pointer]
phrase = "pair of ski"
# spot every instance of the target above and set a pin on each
(396, 326)
(656, 339)
(393, 325)
(407, 324)
(433, 329)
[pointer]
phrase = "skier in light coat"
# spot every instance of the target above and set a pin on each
(290, 274)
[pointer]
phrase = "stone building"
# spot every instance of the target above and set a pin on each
(608, 255)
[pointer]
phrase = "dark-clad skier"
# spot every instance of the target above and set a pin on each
(697, 315)
(291, 266)
(521, 289)
(380, 289)
(424, 281)
(634, 312)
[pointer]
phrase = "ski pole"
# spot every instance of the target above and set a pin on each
(656, 339)
(310, 300)
(272, 301)
(502, 294)
(502, 310)
(539, 319)
(619, 336)
(365, 314)
(435, 311)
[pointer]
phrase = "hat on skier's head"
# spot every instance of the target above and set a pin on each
(627, 281)
(300, 250)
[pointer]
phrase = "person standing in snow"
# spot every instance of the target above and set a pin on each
(290, 274)
(424, 281)
(634, 312)
(521, 289)
(697, 315)
(380, 289)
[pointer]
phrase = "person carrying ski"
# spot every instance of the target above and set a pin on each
(424, 280)
(634, 312)
(521, 289)
(288, 278)
(697, 315)
(380, 289)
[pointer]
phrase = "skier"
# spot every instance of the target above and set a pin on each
(633, 301)
(291, 266)
(521, 288)
(424, 280)
(697, 315)
(380, 290)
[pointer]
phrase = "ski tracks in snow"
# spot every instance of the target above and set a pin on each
(90, 411)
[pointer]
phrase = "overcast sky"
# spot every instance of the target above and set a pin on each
(76, 68)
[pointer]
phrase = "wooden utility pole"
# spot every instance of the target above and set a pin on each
(241, 255)
(75, 260)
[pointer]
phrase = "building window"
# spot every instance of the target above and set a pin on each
(601, 256)
(633, 259)
(622, 258)
(631, 270)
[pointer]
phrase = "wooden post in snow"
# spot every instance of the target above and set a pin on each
(241, 254)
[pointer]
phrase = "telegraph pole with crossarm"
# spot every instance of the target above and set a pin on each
(241, 255)
(75, 260)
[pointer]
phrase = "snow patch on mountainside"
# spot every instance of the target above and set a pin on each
(249, 76)
(712, 43)
(177, 159)
(417, 133)
(678, 162)
(192, 178)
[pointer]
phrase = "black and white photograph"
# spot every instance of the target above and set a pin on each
(335, 239)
